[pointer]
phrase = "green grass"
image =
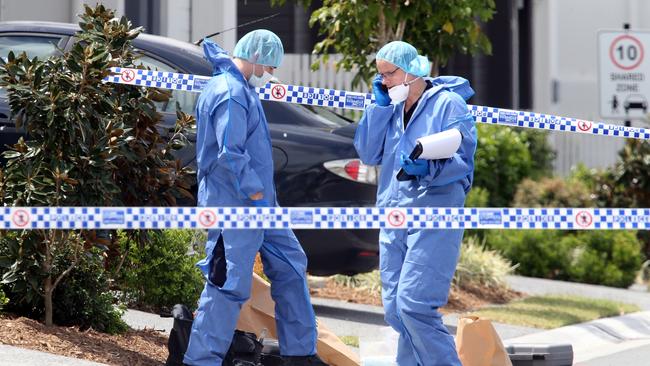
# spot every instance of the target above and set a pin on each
(352, 341)
(554, 311)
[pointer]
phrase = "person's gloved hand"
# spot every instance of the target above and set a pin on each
(381, 95)
(260, 203)
(417, 167)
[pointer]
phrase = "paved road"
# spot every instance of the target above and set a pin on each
(631, 357)
(539, 286)
(15, 356)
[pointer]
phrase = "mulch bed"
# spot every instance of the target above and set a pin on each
(134, 348)
(460, 300)
(149, 347)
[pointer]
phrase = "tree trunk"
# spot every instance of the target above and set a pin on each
(47, 297)
(434, 68)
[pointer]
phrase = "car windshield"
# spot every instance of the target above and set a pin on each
(186, 100)
(303, 115)
(33, 46)
(330, 115)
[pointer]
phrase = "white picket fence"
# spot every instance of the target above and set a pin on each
(593, 151)
(296, 70)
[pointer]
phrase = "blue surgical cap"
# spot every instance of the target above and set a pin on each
(261, 47)
(404, 56)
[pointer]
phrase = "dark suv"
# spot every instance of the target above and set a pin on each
(314, 159)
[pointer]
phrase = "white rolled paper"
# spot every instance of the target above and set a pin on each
(440, 145)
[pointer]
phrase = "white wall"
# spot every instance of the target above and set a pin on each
(214, 16)
(56, 11)
(51, 10)
(191, 20)
(565, 51)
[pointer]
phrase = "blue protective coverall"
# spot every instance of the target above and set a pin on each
(234, 157)
(417, 265)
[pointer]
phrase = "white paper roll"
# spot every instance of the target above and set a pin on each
(440, 145)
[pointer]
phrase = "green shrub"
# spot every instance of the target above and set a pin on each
(552, 192)
(478, 197)
(106, 150)
(627, 184)
(479, 266)
(162, 273)
(538, 253)
(610, 258)
(3, 300)
(540, 150)
(85, 300)
(505, 156)
(370, 281)
(21, 274)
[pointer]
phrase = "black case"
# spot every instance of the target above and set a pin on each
(540, 354)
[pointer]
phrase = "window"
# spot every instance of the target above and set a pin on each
(34, 46)
(187, 100)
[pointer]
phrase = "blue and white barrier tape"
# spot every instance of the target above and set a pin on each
(352, 100)
(322, 218)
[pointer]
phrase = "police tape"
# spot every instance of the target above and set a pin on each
(353, 100)
(18, 218)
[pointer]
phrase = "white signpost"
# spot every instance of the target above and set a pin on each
(624, 74)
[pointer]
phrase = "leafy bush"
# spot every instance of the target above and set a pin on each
(4, 262)
(538, 253)
(85, 300)
(477, 197)
(370, 281)
(162, 272)
(479, 266)
(106, 149)
(3, 300)
(540, 150)
(505, 156)
(552, 192)
(627, 184)
(610, 258)
(21, 275)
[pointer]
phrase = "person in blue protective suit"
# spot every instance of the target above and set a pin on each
(417, 265)
(235, 168)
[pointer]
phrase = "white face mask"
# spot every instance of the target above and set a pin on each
(400, 92)
(260, 81)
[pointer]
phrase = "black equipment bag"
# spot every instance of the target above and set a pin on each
(245, 349)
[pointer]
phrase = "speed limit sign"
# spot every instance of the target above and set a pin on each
(623, 74)
(626, 52)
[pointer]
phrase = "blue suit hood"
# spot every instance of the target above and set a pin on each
(219, 59)
(456, 84)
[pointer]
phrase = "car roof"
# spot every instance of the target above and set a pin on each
(186, 56)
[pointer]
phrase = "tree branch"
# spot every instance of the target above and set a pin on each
(382, 36)
(70, 268)
(399, 33)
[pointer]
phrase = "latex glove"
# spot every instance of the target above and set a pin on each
(381, 95)
(260, 203)
(417, 167)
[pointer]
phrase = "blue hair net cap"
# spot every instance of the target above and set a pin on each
(261, 47)
(404, 56)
